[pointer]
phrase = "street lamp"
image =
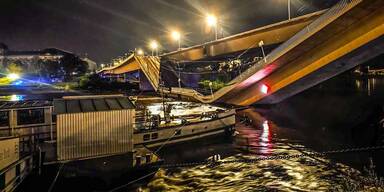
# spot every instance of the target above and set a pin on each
(177, 37)
(261, 43)
(140, 52)
(289, 9)
(154, 46)
(212, 22)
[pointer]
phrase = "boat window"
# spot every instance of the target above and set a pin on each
(4, 118)
(138, 160)
(146, 137)
(2, 181)
(155, 135)
(54, 118)
(30, 116)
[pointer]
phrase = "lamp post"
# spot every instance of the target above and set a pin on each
(212, 22)
(210, 87)
(261, 43)
(289, 9)
(154, 46)
(177, 37)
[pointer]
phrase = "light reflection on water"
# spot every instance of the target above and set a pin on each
(302, 174)
(370, 86)
(262, 138)
(265, 139)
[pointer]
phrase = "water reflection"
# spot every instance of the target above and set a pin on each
(265, 139)
(370, 86)
(255, 140)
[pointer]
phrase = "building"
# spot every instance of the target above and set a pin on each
(29, 59)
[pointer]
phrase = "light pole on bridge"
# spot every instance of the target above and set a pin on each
(261, 43)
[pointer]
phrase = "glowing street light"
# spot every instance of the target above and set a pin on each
(154, 46)
(212, 22)
(13, 76)
(140, 52)
(177, 37)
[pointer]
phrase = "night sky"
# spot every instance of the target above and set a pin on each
(105, 29)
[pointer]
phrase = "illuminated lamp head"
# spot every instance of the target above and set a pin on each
(140, 52)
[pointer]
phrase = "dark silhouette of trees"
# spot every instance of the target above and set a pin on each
(67, 68)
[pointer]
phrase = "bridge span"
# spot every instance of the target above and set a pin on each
(344, 36)
(304, 52)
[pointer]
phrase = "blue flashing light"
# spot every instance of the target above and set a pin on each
(18, 83)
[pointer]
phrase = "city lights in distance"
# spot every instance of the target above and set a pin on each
(13, 76)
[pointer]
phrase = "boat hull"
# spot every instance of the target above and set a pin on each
(224, 123)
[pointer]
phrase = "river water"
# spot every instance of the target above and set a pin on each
(343, 112)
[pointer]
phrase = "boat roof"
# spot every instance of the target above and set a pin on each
(81, 104)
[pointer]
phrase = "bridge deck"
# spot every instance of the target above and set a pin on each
(340, 30)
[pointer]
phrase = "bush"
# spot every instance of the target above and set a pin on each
(95, 83)
(216, 85)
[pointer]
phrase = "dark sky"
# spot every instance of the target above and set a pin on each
(105, 29)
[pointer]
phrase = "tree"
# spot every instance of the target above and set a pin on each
(14, 68)
(49, 68)
(73, 65)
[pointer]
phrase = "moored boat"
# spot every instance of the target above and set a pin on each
(182, 121)
(98, 136)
